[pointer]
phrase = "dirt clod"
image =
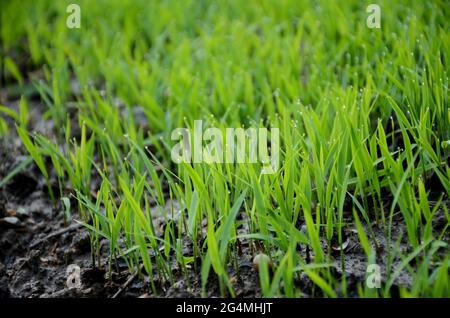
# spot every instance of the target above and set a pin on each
(10, 222)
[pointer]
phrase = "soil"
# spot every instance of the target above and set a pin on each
(34, 261)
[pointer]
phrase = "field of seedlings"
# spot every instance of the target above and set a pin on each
(118, 177)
